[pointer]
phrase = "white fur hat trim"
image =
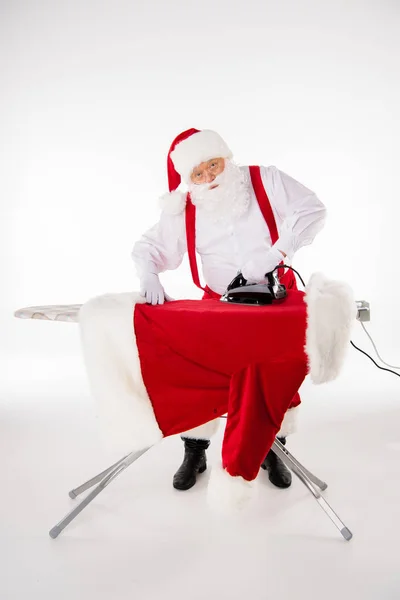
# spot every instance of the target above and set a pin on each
(196, 149)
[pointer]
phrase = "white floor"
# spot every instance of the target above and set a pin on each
(140, 539)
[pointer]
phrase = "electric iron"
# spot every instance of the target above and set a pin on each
(258, 294)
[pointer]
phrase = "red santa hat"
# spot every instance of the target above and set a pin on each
(189, 149)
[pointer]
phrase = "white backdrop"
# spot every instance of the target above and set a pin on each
(93, 93)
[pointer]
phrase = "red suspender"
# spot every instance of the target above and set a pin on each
(265, 207)
(191, 240)
(264, 202)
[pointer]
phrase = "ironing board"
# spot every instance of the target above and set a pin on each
(70, 313)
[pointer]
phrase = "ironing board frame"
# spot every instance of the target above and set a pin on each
(103, 479)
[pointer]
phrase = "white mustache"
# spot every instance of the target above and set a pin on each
(222, 180)
(209, 187)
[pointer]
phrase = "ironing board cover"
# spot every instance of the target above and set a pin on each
(50, 312)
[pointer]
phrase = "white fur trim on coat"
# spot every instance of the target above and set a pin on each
(229, 495)
(289, 423)
(173, 203)
(113, 367)
(196, 149)
(331, 310)
(203, 432)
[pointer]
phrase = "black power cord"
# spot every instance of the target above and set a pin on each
(351, 342)
(375, 363)
(294, 271)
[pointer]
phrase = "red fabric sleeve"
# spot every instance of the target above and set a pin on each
(259, 396)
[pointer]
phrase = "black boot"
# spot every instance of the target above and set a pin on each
(194, 462)
(278, 474)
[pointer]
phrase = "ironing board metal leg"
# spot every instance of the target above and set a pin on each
(57, 529)
(318, 482)
(298, 470)
(108, 476)
(91, 482)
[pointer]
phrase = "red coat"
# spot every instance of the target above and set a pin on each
(200, 360)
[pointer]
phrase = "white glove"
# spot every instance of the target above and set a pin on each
(152, 290)
(255, 270)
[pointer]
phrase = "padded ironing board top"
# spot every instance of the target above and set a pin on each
(52, 312)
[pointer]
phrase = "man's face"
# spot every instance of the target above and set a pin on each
(207, 171)
(218, 187)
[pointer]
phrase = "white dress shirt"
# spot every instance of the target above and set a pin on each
(224, 247)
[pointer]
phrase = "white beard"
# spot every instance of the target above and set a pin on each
(229, 200)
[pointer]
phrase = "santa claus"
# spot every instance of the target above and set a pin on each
(237, 219)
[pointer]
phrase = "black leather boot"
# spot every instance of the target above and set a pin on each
(278, 474)
(194, 462)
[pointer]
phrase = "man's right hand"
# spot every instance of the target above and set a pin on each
(152, 290)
